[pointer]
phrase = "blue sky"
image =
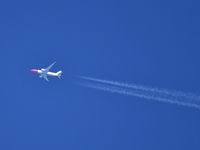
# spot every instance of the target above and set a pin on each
(153, 43)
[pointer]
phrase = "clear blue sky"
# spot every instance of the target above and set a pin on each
(153, 43)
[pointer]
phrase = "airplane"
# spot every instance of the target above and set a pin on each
(45, 72)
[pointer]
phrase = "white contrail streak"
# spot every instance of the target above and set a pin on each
(163, 95)
(140, 87)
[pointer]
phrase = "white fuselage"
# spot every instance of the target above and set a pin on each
(48, 73)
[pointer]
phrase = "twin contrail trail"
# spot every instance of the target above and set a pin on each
(163, 95)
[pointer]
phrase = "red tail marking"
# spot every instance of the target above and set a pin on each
(34, 70)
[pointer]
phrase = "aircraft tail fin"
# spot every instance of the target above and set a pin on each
(59, 73)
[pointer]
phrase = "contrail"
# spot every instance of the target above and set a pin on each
(163, 95)
(144, 88)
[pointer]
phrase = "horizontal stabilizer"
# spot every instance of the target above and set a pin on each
(59, 73)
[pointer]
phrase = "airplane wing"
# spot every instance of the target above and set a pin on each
(45, 71)
(45, 77)
(49, 67)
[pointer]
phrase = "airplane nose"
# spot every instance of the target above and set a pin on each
(34, 70)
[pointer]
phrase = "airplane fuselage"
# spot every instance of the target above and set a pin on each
(44, 74)
(48, 73)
